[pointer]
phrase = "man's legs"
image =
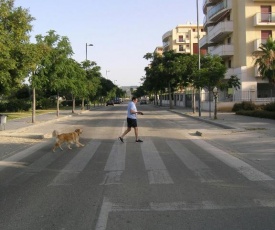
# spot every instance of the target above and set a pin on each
(136, 132)
(125, 132)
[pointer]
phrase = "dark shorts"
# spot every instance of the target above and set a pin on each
(131, 122)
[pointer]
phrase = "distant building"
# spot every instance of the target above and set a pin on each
(234, 30)
(128, 90)
(183, 39)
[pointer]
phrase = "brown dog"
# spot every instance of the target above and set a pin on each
(70, 138)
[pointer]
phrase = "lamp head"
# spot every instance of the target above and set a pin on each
(215, 90)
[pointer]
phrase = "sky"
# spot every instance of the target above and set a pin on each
(121, 31)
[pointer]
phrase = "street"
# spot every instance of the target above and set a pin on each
(174, 180)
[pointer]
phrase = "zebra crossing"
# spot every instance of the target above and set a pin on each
(156, 169)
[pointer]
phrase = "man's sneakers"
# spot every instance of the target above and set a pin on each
(137, 141)
(121, 139)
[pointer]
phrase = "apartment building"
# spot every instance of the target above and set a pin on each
(183, 39)
(234, 30)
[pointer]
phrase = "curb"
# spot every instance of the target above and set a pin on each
(204, 120)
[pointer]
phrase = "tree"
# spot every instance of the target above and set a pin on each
(265, 60)
(14, 38)
(93, 76)
(55, 73)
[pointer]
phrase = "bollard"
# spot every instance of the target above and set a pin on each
(3, 121)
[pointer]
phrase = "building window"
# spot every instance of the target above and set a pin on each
(229, 40)
(180, 38)
(266, 13)
(229, 63)
(180, 47)
(194, 30)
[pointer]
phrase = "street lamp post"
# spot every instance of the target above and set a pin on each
(215, 94)
(86, 49)
(199, 56)
(107, 73)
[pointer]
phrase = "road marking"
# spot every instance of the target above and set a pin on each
(13, 161)
(243, 168)
(157, 172)
(107, 207)
(115, 164)
(76, 165)
(193, 163)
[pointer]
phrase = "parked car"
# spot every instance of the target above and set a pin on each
(143, 102)
(117, 101)
(110, 102)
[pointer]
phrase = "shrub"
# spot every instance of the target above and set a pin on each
(45, 103)
(245, 105)
(17, 105)
(270, 107)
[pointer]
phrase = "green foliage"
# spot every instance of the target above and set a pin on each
(14, 38)
(265, 60)
(45, 103)
(16, 105)
(270, 107)
(245, 105)
(257, 113)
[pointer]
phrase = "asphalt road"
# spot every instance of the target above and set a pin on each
(174, 180)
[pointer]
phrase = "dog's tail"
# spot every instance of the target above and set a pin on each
(55, 133)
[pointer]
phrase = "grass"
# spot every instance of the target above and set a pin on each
(17, 115)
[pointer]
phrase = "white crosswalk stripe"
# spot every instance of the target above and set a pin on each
(157, 172)
(242, 167)
(76, 165)
(115, 164)
(192, 162)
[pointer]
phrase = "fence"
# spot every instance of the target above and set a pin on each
(185, 100)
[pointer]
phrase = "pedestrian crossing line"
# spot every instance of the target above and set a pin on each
(240, 166)
(192, 162)
(76, 165)
(13, 161)
(157, 172)
(107, 207)
(32, 169)
(115, 164)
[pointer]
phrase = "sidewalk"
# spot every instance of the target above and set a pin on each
(230, 121)
(24, 127)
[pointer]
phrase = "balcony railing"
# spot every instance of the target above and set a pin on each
(220, 31)
(217, 8)
(258, 43)
(182, 41)
(261, 19)
(223, 50)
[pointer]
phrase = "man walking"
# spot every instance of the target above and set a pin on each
(132, 119)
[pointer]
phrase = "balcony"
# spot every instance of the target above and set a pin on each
(223, 50)
(166, 36)
(182, 41)
(257, 44)
(207, 3)
(204, 42)
(218, 11)
(264, 19)
(183, 51)
(220, 31)
(166, 44)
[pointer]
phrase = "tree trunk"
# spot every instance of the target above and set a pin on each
(57, 105)
(33, 105)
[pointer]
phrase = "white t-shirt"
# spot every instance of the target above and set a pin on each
(131, 106)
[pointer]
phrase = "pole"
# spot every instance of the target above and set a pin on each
(199, 56)
(86, 50)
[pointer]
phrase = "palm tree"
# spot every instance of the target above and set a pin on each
(265, 60)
